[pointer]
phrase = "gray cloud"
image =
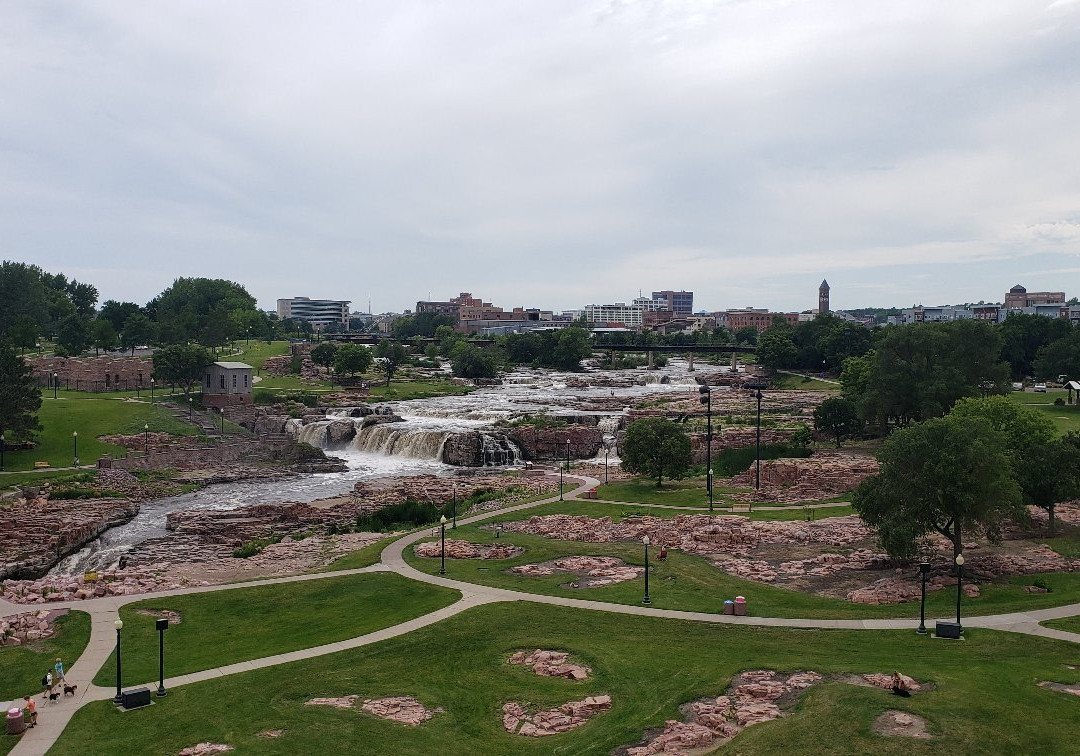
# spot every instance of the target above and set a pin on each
(545, 154)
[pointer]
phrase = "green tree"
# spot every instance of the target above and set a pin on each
(323, 354)
(469, 361)
(24, 332)
(947, 475)
(20, 398)
(776, 347)
(102, 335)
(1060, 357)
(838, 417)
(200, 309)
(72, 335)
(655, 446)
(1022, 338)
(572, 346)
(1050, 473)
(22, 293)
(391, 355)
(350, 359)
(183, 364)
(117, 313)
(746, 335)
(138, 330)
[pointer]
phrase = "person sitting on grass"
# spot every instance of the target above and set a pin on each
(899, 687)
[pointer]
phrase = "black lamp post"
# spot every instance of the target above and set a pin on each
(221, 411)
(646, 600)
(75, 441)
(924, 572)
(560, 483)
(146, 438)
(757, 477)
(119, 625)
(442, 545)
(189, 409)
(151, 390)
(3, 444)
(706, 399)
(55, 383)
(455, 507)
(609, 441)
(162, 625)
(568, 455)
(959, 589)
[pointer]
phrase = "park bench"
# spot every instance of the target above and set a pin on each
(41, 465)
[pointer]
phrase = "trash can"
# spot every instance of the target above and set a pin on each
(729, 607)
(16, 725)
(740, 606)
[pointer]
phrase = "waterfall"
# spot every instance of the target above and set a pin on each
(397, 439)
(497, 449)
(609, 426)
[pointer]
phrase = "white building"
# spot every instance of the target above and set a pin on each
(319, 312)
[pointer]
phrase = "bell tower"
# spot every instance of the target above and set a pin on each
(823, 297)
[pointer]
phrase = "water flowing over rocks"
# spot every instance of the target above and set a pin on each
(35, 534)
(456, 549)
(550, 664)
(591, 571)
(756, 696)
(517, 720)
(28, 627)
(404, 709)
(821, 476)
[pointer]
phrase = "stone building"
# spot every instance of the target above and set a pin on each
(227, 384)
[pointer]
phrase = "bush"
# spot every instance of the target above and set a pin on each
(729, 462)
(253, 547)
(1059, 402)
(407, 514)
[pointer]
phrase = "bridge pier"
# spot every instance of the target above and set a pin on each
(650, 359)
(690, 358)
(612, 357)
(734, 361)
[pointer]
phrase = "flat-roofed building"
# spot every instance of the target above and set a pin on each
(319, 312)
(227, 384)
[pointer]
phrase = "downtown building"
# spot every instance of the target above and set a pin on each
(319, 312)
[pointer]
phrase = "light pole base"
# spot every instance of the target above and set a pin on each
(118, 700)
(646, 600)
(161, 693)
(921, 631)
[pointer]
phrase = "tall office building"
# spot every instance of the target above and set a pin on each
(681, 302)
(319, 312)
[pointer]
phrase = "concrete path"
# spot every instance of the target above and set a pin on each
(53, 717)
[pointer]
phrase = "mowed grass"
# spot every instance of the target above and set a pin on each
(224, 627)
(689, 492)
(1066, 418)
(688, 582)
(22, 667)
(364, 557)
(1068, 624)
(789, 382)
(985, 696)
(254, 352)
(618, 511)
(90, 418)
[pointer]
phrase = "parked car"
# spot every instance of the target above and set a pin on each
(1017, 386)
(1040, 388)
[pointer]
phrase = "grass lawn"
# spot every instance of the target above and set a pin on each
(22, 667)
(789, 382)
(90, 417)
(1065, 418)
(248, 623)
(690, 583)
(364, 557)
(399, 390)
(985, 697)
(1068, 624)
(620, 511)
(689, 492)
(256, 352)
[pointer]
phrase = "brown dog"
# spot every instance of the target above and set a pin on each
(54, 696)
(69, 690)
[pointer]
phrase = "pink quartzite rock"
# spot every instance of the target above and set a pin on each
(550, 664)
(456, 549)
(753, 698)
(404, 709)
(593, 571)
(203, 749)
(885, 682)
(345, 702)
(516, 719)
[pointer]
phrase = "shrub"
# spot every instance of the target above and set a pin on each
(253, 547)
(407, 514)
(729, 462)
(1059, 402)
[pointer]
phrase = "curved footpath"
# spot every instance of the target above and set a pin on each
(54, 717)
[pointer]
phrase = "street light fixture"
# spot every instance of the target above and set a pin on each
(646, 600)
(924, 572)
(609, 441)
(442, 545)
(189, 409)
(455, 507)
(151, 390)
(3, 445)
(959, 589)
(55, 383)
(706, 399)
(75, 440)
(757, 477)
(119, 625)
(568, 454)
(162, 625)
(146, 438)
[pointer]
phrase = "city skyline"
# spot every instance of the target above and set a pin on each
(544, 154)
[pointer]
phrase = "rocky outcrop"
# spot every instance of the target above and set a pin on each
(205, 749)
(821, 476)
(92, 585)
(590, 571)
(340, 432)
(550, 664)
(517, 720)
(403, 709)
(547, 443)
(456, 549)
(20, 629)
(36, 534)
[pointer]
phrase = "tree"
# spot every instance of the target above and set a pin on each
(947, 475)
(20, 398)
(838, 417)
(1060, 357)
(391, 355)
(117, 313)
(138, 330)
(1050, 472)
(200, 309)
(469, 361)
(655, 446)
(350, 359)
(776, 349)
(571, 347)
(184, 364)
(323, 354)
(1024, 336)
(102, 335)
(72, 335)
(746, 335)
(24, 332)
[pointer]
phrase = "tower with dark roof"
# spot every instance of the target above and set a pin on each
(823, 297)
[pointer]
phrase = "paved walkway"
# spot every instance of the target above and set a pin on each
(54, 717)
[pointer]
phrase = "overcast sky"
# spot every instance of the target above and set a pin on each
(546, 154)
